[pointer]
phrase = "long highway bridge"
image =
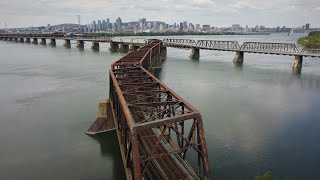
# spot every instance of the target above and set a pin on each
(286, 49)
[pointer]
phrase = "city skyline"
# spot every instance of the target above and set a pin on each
(216, 13)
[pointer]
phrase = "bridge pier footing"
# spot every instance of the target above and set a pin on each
(297, 62)
(239, 57)
(28, 40)
(67, 43)
(95, 46)
(35, 41)
(80, 44)
(195, 53)
(134, 48)
(114, 46)
(164, 52)
(52, 42)
(21, 40)
(9, 39)
(43, 41)
(15, 40)
(124, 48)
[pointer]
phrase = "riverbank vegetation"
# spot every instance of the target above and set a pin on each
(312, 41)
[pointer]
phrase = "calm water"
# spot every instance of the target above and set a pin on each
(257, 117)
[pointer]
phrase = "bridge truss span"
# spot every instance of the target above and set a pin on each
(158, 130)
(269, 47)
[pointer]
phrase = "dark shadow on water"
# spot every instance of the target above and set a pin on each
(238, 66)
(296, 71)
(109, 147)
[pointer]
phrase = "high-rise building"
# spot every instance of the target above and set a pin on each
(99, 28)
(185, 25)
(181, 27)
(119, 23)
(206, 27)
(108, 24)
(155, 25)
(307, 26)
(94, 26)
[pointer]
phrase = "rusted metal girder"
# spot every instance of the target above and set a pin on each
(144, 106)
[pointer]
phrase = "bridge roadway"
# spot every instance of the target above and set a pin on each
(158, 130)
(115, 45)
(247, 47)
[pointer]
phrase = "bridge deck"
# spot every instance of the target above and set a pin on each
(149, 116)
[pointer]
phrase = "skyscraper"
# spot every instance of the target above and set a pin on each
(307, 26)
(119, 23)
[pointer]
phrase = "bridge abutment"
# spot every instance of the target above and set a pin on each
(28, 40)
(114, 46)
(80, 44)
(195, 53)
(67, 43)
(35, 41)
(124, 48)
(43, 41)
(52, 42)
(297, 62)
(95, 46)
(239, 57)
(21, 40)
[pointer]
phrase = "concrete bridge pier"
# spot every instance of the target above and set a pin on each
(5, 38)
(134, 48)
(95, 46)
(28, 40)
(21, 40)
(239, 57)
(297, 62)
(15, 40)
(35, 41)
(164, 52)
(80, 44)
(124, 48)
(52, 42)
(67, 43)
(9, 39)
(195, 53)
(114, 46)
(43, 41)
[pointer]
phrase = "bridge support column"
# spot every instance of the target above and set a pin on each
(80, 44)
(5, 38)
(9, 39)
(15, 40)
(43, 41)
(124, 48)
(297, 62)
(134, 48)
(114, 46)
(195, 53)
(52, 42)
(21, 40)
(67, 43)
(35, 41)
(164, 52)
(28, 40)
(239, 57)
(95, 46)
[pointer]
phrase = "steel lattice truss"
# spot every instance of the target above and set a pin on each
(158, 128)
(270, 47)
(218, 45)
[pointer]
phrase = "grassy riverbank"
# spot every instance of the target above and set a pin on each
(311, 41)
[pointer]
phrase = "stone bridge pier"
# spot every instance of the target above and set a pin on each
(15, 40)
(124, 48)
(21, 40)
(134, 48)
(195, 53)
(67, 43)
(95, 46)
(297, 62)
(239, 57)
(9, 39)
(28, 40)
(52, 42)
(80, 44)
(43, 41)
(35, 41)
(114, 46)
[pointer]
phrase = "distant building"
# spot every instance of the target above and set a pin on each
(198, 26)
(185, 25)
(206, 27)
(307, 26)
(181, 27)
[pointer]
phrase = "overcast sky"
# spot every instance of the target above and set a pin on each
(21, 13)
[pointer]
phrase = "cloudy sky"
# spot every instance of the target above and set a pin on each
(21, 13)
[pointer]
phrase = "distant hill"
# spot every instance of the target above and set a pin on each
(312, 41)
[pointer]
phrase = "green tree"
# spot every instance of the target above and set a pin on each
(265, 176)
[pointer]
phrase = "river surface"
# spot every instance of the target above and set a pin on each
(257, 117)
